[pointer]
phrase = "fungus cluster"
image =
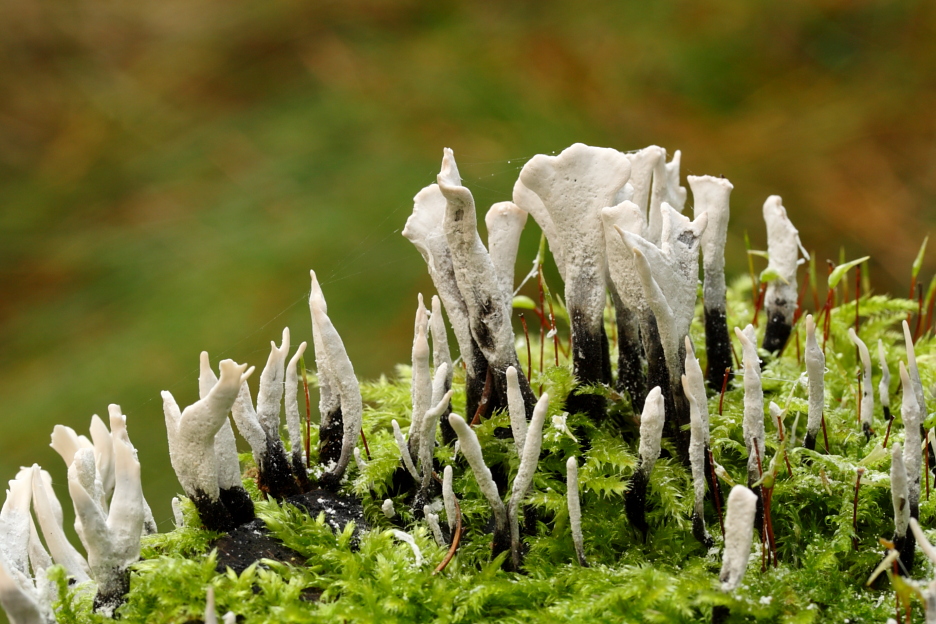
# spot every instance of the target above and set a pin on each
(499, 474)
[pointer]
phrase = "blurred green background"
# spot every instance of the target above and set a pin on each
(170, 171)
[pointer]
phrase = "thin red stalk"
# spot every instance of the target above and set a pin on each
(855, 510)
(825, 435)
(762, 291)
(764, 538)
(858, 398)
(926, 462)
(308, 436)
(929, 313)
(770, 533)
(890, 421)
(543, 329)
(827, 321)
(485, 397)
(456, 540)
(799, 355)
(799, 300)
(366, 447)
(724, 386)
(916, 332)
(526, 337)
(721, 518)
(786, 457)
(734, 354)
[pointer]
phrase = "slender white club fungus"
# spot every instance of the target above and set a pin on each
(192, 432)
(19, 598)
(739, 532)
(900, 492)
(697, 435)
(521, 484)
(225, 445)
(270, 394)
(406, 537)
(884, 384)
(425, 229)
(504, 221)
(448, 498)
(696, 383)
(177, 517)
(517, 410)
(49, 513)
(421, 386)
(15, 521)
(433, 521)
(293, 416)
(359, 460)
(331, 427)
(471, 449)
(651, 430)
(404, 450)
(867, 389)
(387, 508)
(912, 369)
(815, 369)
(647, 181)
(783, 258)
(346, 384)
(430, 424)
(753, 423)
(528, 201)
(440, 346)
(922, 541)
(913, 455)
(575, 510)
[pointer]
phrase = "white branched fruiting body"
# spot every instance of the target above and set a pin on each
(528, 462)
(913, 371)
(15, 522)
(913, 454)
(448, 498)
(900, 492)
(430, 424)
(406, 537)
(710, 196)
(440, 346)
(404, 450)
(815, 370)
(425, 229)
(867, 389)
(528, 201)
(346, 384)
(112, 538)
(884, 384)
(270, 394)
(19, 598)
(697, 435)
(504, 221)
(387, 508)
(696, 383)
(753, 423)
(575, 509)
(651, 430)
(433, 521)
(25, 601)
(647, 183)
(471, 449)
(293, 417)
(783, 257)
(628, 217)
(516, 409)
(574, 186)
(421, 388)
(192, 432)
(669, 277)
(49, 513)
(739, 532)
(225, 445)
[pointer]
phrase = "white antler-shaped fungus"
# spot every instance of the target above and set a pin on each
(783, 258)
(504, 221)
(528, 461)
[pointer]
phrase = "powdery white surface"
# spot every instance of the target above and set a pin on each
(912, 419)
(900, 490)
(404, 450)
(575, 508)
(291, 389)
(505, 221)
(448, 497)
(574, 186)
(440, 346)
(739, 532)
(651, 430)
(867, 390)
(622, 270)
(528, 462)
(421, 387)
(912, 369)
(49, 513)
(696, 385)
(270, 394)
(697, 435)
(710, 196)
(425, 229)
(433, 521)
(225, 445)
(430, 424)
(19, 597)
(753, 423)
(783, 252)
(647, 178)
(530, 202)
(15, 521)
(387, 508)
(471, 449)
(815, 371)
(516, 409)
(884, 384)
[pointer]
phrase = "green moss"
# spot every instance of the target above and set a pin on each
(667, 577)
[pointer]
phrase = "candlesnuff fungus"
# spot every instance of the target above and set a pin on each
(867, 390)
(533, 442)
(293, 418)
(783, 251)
(471, 449)
(448, 499)
(504, 221)
(753, 424)
(425, 229)
(441, 355)
(815, 370)
(739, 534)
(573, 187)
(913, 373)
(651, 430)
(192, 452)
(694, 388)
(884, 384)
(575, 510)
(421, 389)
(669, 277)
(913, 454)
(489, 307)
(516, 409)
(900, 495)
(710, 196)
(48, 512)
(929, 594)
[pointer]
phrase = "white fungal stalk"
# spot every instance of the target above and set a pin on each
(913, 371)
(575, 510)
(293, 416)
(884, 384)
(696, 385)
(49, 514)
(421, 387)
(651, 431)
(783, 252)
(516, 409)
(25, 600)
(867, 390)
(815, 370)
(504, 221)
(521, 484)
(225, 445)
(441, 355)
(346, 384)
(913, 455)
(406, 537)
(900, 492)
(433, 521)
(574, 187)
(430, 424)
(448, 498)
(739, 533)
(387, 508)
(694, 388)
(471, 449)
(753, 423)
(404, 450)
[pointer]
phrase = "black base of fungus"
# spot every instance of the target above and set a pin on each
(777, 332)
(276, 477)
(905, 545)
(699, 532)
(809, 442)
(635, 501)
(330, 438)
(338, 511)
(107, 600)
(248, 544)
(238, 503)
(717, 347)
(631, 378)
(589, 358)
(712, 480)
(213, 513)
(300, 473)
(720, 614)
